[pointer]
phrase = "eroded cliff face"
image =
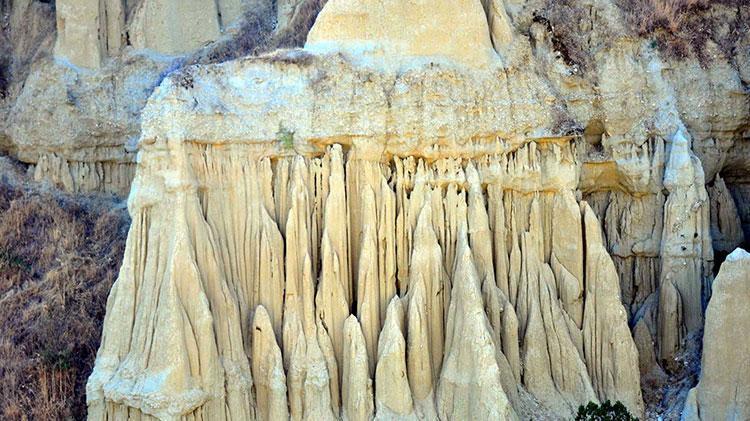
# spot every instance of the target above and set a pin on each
(397, 221)
(309, 232)
(75, 74)
(361, 250)
(724, 388)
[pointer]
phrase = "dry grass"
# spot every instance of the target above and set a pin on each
(258, 34)
(59, 255)
(563, 19)
(679, 28)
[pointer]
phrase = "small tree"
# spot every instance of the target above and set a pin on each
(285, 137)
(604, 412)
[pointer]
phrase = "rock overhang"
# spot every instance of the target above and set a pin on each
(326, 98)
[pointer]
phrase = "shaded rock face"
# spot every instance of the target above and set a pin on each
(723, 391)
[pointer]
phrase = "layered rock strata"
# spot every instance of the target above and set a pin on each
(75, 75)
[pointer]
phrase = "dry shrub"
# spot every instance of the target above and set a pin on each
(258, 33)
(59, 255)
(681, 28)
(563, 19)
(295, 34)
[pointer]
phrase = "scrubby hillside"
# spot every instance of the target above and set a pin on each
(59, 255)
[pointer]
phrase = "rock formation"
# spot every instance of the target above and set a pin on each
(396, 29)
(380, 264)
(686, 249)
(445, 209)
(723, 391)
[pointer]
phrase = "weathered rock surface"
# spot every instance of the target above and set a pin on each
(399, 203)
(394, 29)
(450, 274)
(723, 392)
(74, 77)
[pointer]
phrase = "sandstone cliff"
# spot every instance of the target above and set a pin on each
(724, 388)
(477, 217)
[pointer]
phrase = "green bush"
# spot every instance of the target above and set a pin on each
(604, 412)
(285, 137)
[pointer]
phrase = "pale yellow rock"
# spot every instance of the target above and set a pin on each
(295, 351)
(174, 27)
(645, 344)
(418, 131)
(419, 363)
(686, 249)
(430, 192)
(195, 351)
(393, 399)
(554, 371)
(368, 281)
(427, 267)
(332, 368)
(321, 382)
(516, 337)
(610, 351)
(723, 391)
(567, 250)
(88, 30)
(390, 29)
(334, 222)
(501, 30)
(470, 385)
(356, 387)
(268, 370)
(230, 11)
(332, 310)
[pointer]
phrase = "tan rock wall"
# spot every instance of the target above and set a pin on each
(723, 391)
(392, 29)
(330, 233)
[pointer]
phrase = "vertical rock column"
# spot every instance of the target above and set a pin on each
(686, 249)
(88, 30)
(723, 392)
(286, 268)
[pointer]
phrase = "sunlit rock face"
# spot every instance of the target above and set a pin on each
(317, 239)
(403, 222)
(723, 391)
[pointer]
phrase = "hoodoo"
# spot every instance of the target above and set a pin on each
(390, 225)
(723, 391)
(397, 222)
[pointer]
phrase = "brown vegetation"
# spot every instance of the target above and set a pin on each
(563, 20)
(59, 255)
(258, 34)
(679, 28)
(683, 27)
